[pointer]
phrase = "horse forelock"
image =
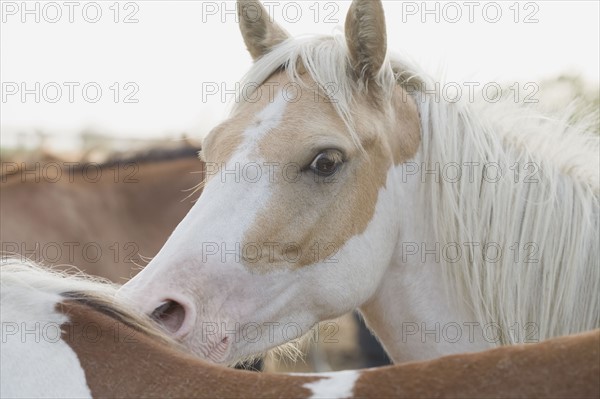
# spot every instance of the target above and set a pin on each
(324, 59)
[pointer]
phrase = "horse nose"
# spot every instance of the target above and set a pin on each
(174, 313)
(175, 316)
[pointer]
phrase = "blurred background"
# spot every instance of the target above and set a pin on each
(99, 81)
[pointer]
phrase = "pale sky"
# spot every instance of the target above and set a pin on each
(177, 46)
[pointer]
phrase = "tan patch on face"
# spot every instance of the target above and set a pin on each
(308, 218)
(405, 138)
(220, 145)
(224, 140)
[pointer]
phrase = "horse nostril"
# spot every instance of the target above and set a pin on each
(170, 314)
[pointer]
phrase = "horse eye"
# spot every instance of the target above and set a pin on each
(327, 162)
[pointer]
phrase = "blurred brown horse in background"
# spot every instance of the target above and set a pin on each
(104, 218)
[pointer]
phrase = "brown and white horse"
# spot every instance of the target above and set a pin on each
(64, 336)
(341, 180)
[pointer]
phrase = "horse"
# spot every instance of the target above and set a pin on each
(137, 187)
(343, 180)
(67, 336)
(104, 218)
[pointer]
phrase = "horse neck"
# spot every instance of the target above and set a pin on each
(492, 301)
(411, 307)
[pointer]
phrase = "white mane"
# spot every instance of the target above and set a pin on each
(29, 291)
(547, 214)
(26, 275)
(554, 221)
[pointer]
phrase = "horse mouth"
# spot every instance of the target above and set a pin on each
(218, 351)
(170, 315)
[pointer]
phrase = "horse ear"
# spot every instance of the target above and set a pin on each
(366, 37)
(260, 33)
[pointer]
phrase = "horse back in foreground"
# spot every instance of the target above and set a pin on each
(66, 336)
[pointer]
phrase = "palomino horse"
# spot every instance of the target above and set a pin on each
(341, 180)
(98, 217)
(67, 337)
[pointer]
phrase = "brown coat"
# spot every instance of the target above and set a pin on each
(125, 362)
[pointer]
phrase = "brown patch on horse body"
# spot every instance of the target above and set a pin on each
(311, 218)
(566, 367)
(120, 361)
